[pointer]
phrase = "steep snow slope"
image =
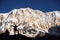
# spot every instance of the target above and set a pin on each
(30, 22)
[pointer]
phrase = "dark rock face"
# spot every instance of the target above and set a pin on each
(55, 31)
(6, 36)
(0, 23)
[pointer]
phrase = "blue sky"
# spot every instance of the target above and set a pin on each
(43, 5)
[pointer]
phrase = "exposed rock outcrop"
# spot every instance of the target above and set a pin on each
(29, 22)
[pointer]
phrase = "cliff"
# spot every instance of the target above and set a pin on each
(30, 23)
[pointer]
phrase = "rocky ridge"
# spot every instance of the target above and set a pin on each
(29, 22)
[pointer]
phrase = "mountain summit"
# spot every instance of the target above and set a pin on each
(30, 23)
